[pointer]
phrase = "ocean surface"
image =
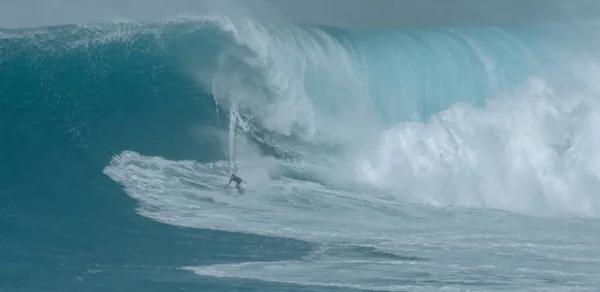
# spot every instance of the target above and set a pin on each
(438, 159)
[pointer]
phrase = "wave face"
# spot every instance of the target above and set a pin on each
(344, 136)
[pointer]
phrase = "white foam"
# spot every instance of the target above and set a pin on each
(393, 241)
(284, 81)
(450, 262)
(531, 152)
(186, 193)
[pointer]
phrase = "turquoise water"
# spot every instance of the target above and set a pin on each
(448, 159)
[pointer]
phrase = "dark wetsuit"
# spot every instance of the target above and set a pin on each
(236, 179)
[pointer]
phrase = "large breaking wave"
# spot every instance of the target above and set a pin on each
(472, 117)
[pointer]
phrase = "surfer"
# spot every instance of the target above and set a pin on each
(237, 181)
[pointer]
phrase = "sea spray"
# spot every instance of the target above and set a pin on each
(233, 116)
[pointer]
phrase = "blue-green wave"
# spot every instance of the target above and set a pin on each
(71, 97)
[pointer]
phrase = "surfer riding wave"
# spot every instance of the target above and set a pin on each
(238, 181)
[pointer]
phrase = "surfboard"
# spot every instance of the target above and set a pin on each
(240, 190)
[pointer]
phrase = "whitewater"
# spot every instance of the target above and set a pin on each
(438, 159)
